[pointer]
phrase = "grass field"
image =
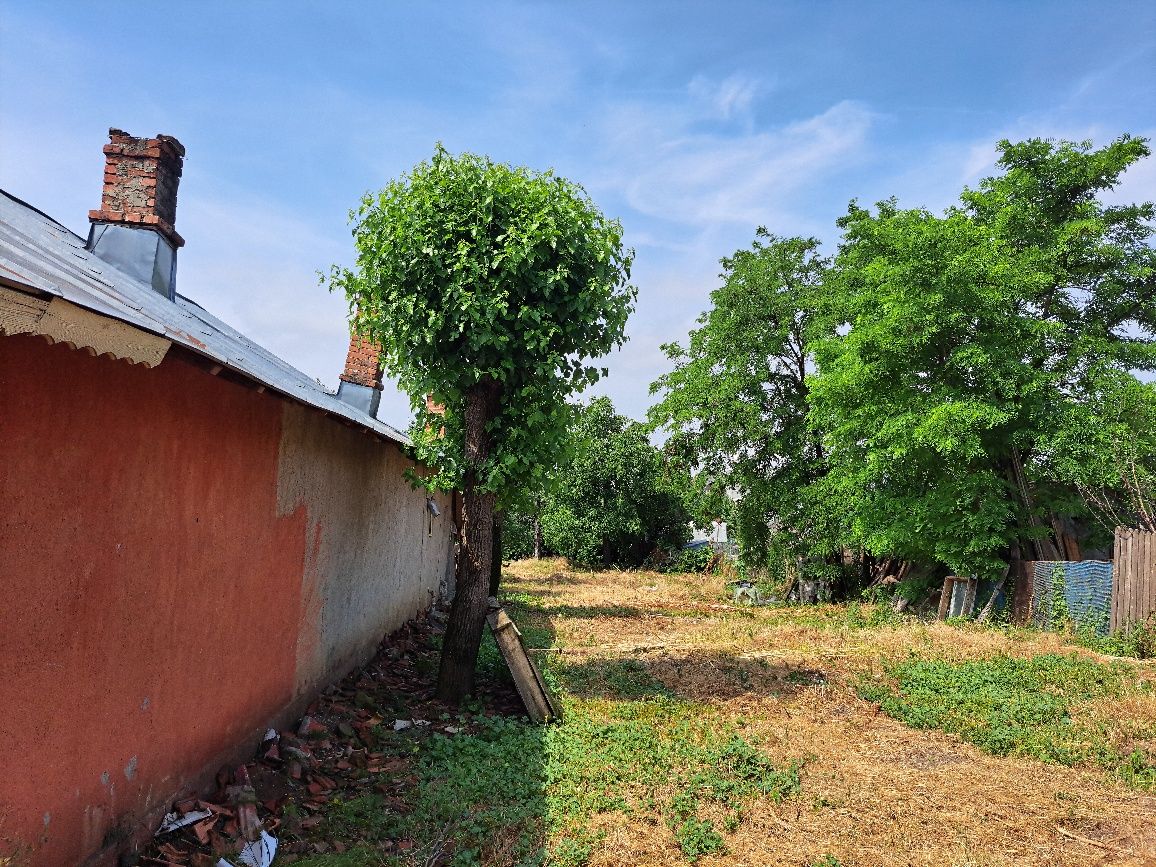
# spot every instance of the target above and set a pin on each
(696, 731)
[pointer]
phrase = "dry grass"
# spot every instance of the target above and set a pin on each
(875, 792)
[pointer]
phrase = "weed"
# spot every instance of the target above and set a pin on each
(607, 755)
(697, 837)
(613, 678)
(1011, 706)
(366, 817)
(1138, 641)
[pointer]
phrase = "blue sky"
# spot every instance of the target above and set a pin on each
(693, 123)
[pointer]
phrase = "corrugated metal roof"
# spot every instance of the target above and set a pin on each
(38, 252)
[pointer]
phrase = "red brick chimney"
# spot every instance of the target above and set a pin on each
(360, 384)
(140, 183)
(135, 226)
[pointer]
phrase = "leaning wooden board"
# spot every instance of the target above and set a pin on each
(540, 705)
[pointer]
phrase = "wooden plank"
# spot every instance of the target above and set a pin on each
(1119, 565)
(1151, 581)
(1126, 573)
(540, 705)
(1140, 567)
(1114, 607)
(1125, 566)
(945, 597)
(1130, 585)
(1023, 592)
(971, 588)
(1126, 557)
(1144, 586)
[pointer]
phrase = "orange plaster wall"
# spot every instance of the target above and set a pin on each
(151, 591)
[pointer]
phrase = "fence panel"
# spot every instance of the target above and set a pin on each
(1134, 578)
(1080, 592)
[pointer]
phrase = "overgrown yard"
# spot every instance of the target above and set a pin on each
(701, 732)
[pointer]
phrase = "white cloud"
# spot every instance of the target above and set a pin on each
(702, 179)
(725, 100)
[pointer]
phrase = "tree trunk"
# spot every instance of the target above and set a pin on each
(538, 530)
(1042, 542)
(468, 613)
(496, 554)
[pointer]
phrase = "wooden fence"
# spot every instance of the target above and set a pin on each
(1134, 577)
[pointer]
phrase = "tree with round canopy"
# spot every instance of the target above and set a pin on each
(488, 289)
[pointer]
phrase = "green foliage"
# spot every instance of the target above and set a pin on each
(926, 388)
(480, 786)
(472, 273)
(954, 345)
(690, 560)
(518, 532)
(621, 679)
(616, 498)
(625, 757)
(512, 781)
(735, 404)
(1010, 706)
(1106, 446)
(1137, 641)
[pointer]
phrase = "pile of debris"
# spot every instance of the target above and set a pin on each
(276, 803)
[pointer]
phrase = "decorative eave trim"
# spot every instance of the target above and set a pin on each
(62, 322)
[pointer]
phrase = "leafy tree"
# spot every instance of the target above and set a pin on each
(1107, 449)
(735, 404)
(487, 288)
(616, 499)
(961, 345)
(926, 392)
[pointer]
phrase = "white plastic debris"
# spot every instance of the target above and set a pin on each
(271, 735)
(400, 725)
(259, 853)
(173, 821)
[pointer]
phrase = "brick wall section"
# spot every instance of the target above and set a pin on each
(361, 364)
(140, 183)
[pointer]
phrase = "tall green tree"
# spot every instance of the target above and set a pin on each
(488, 289)
(616, 498)
(735, 404)
(960, 346)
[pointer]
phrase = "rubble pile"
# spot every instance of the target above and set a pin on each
(345, 746)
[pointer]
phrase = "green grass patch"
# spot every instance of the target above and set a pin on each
(659, 760)
(1138, 641)
(611, 678)
(1015, 706)
(533, 790)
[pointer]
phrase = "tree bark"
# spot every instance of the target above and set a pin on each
(468, 613)
(537, 529)
(496, 553)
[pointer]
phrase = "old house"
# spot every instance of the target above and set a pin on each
(195, 538)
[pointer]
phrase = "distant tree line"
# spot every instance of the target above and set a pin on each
(613, 498)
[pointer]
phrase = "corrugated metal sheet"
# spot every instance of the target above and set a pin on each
(38, 252)
(1086, 589)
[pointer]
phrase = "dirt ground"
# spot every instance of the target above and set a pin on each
(875, 792)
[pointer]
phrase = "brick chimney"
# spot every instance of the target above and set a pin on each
(135, 226)
(360, 384)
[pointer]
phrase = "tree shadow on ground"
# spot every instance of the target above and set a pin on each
(696, 676)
